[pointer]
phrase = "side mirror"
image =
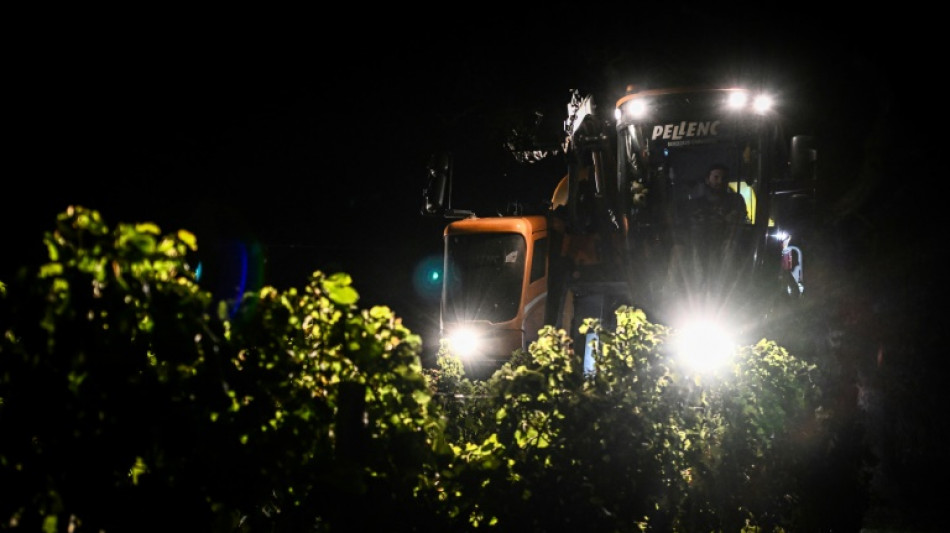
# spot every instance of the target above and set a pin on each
(804, 158)
(436, 195)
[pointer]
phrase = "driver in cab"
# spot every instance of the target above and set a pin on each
(715, 215)
(716, 211)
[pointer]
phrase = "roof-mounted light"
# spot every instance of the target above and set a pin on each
(737, 99)
(633, 109)
(638, 106)
(740, 99)
(762, 104)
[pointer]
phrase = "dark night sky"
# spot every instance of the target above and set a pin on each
(276, 130)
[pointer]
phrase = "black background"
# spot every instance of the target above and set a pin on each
(306, 136)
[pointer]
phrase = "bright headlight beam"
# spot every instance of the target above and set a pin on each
(464, 342)
(635, 108)
(704, 346)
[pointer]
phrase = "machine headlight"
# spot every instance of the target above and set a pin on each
(740, 99)
(737, 99)
(634, 109)
(762, 104)
(703, 346)
(464, 342)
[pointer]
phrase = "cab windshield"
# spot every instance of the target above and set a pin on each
(666, 162)
(484, 274)
(675, 168)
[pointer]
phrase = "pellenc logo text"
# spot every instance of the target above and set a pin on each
(685, 130)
